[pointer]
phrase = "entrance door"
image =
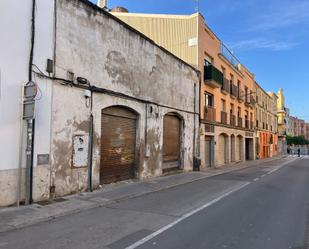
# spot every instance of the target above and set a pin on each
(223, 149)
(171, 141)
(233, 158)
(249, 148)
(117, 145)
(208, 156)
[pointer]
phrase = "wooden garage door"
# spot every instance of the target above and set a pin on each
(117, 145)
(171, 138)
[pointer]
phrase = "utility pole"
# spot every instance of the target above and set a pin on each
(30, 91)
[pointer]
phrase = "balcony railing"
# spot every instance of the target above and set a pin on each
(249, 100)
(239, 122)
(210, 114)
(282, 133)
(247, 124)
(232, 120)
(234, 91)
(252, 100)
(223, 117)
(212, 76)
(230, 56)
(226, 86)
(241, 96)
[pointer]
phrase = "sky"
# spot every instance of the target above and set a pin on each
(269, 37)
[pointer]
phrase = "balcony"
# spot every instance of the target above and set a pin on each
(247, 124)
(282, 133)
(234, 91)
(232, 120)
(239, 122)
(223, 117)
(210, 114)
(226, 86)
(252, 101)
(241, 96)
(213, 77)
(249, 100)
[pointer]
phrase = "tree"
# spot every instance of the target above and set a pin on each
(297, 140)
(289, 140)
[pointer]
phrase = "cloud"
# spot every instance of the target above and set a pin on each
(262, 43)
(284, 15)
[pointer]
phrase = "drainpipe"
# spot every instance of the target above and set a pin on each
(90, 144)
(196, 158)
(194, 132)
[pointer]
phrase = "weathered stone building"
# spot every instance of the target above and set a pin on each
(120, 106)
(144, 104)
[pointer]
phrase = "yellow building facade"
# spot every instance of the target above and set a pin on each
(282, 121)
(227, 113)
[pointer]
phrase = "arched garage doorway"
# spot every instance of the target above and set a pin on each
(118, 140)
(172, 129)
(239, 148)
(233, 158)
(223, 147)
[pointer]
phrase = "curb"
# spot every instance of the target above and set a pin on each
(94, 204)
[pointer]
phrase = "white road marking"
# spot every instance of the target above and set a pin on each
(272, 171)
(163, 229)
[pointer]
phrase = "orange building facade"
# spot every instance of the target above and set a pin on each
(266, 123)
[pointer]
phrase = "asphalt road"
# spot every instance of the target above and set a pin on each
(261, 207)
(270, 213)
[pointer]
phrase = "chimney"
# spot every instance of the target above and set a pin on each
(102, 4)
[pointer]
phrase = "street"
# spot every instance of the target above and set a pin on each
(259, 207)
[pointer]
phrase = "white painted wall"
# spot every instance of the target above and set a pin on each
(15, 24)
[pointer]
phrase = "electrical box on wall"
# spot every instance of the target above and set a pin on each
(30, 91)
(80, 151)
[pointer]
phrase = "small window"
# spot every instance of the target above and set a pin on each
(232, 109)
(209, 100)
(223, 105)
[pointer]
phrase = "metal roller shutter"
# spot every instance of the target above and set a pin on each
(118, 141)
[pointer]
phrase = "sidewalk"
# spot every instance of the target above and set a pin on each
(13, 218)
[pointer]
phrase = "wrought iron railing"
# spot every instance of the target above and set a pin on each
(212, 73)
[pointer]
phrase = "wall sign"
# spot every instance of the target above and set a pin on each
(80, 151)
